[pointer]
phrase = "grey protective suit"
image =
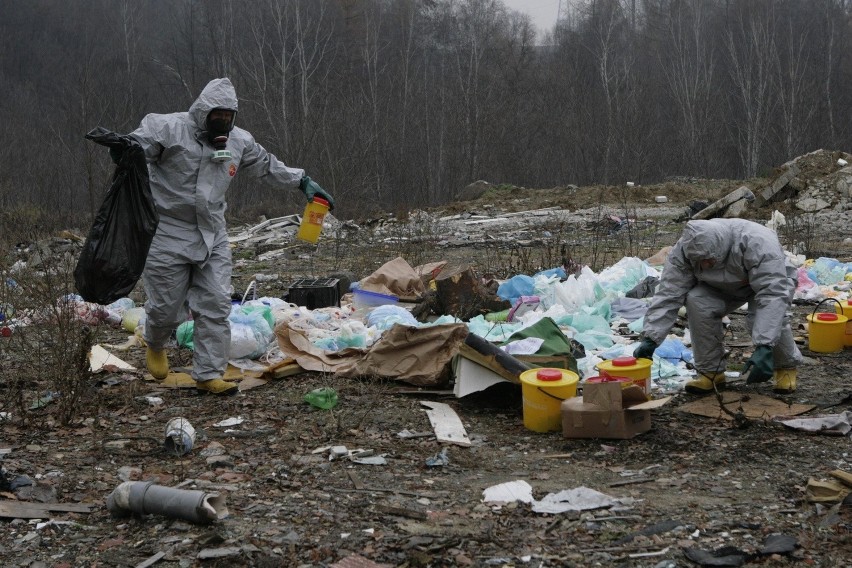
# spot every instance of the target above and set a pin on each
(750, 267)
(189, 263)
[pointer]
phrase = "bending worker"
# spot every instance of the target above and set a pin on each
(192, 158)
(716, 267)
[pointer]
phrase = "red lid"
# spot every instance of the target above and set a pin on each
(626, 361)
(827, 317)
(548, 375)
(320, 200)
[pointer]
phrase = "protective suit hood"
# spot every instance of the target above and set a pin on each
(703, 240)
(219, 93)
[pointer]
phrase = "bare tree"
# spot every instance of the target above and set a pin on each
(750, 41)
(792, 65)
(688, 65)
(613, 58)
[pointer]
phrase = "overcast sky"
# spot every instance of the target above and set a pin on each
(542, 12)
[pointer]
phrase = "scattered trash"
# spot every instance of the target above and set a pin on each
(779, 544)
(733, 556)
(409, 434)
(180, 436)
(102, 360)
(44, 400)
(439, 460)
(234, 421)
(325, 398)
(829, 491)
(832, 424)
(508, 492)
(577, 499)
(337, 452)
(147, 498)
(364, 459)
(28, 510)
(724, 556)
(359, 456)
(222, 552)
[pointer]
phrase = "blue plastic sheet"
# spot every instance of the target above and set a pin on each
(674, 351)
(515, 287)
(384, 317)
(558, 271)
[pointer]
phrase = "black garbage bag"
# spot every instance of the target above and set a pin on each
(116, 247)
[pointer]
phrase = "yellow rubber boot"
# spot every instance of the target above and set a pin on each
(217, 386)
(158, 363)
(703, 384)
(785, 381)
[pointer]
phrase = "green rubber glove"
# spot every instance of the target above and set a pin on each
(645, 350)
(760, 364)
(311, 188)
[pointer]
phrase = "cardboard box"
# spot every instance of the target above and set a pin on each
(606, 410)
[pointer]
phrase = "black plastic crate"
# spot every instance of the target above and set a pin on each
(314, 293)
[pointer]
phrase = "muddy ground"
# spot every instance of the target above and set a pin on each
(699, 484)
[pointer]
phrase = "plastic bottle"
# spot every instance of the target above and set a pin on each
(325, 398)
(311, 225)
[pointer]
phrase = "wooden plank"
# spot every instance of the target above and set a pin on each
(29, 510)
(633, 481)
(285, 370)
(446, 423)
(356, 481)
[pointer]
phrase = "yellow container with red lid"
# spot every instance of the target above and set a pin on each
(845, 309)
(311, 225)
(826, 332)
(543, 391)
(637, 369)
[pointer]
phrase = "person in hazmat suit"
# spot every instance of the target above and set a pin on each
(192, 158)
(715, 267)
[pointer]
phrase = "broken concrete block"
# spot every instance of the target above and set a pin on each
(716, 208)
(844, 182)
(812, 204)
(768, 193)
(736, 209)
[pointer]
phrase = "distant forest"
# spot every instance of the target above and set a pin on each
(394, 104)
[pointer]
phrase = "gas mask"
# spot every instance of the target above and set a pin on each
(220, 122)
